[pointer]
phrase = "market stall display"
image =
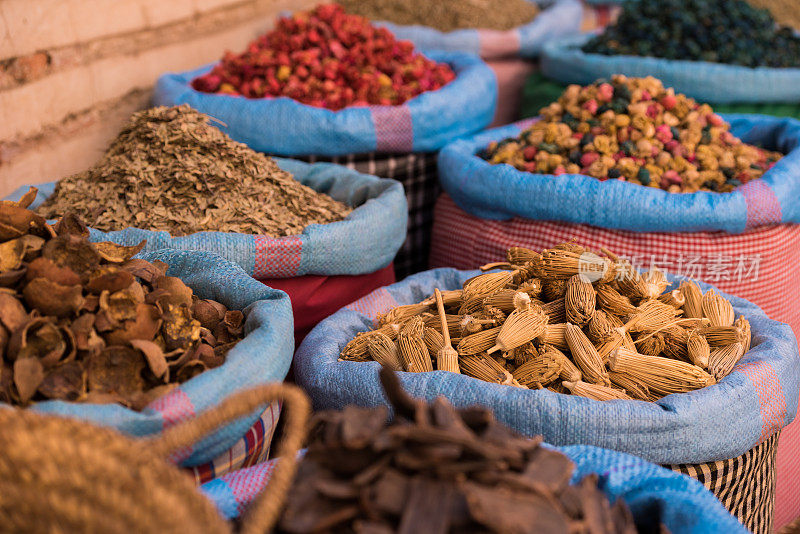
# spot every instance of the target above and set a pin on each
(724, 422)
(391, 132)
(91, 333)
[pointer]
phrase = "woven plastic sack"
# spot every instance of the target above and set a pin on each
(722, 421)
(366, 241)
(557, 19)
(752, 265)
(653, 493)
(286, 127)
(500, 191)
(264, 355)
(564, 61)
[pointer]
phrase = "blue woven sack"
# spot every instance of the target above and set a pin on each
(366, 241)
(501, 192)
(264, 355)
(286, 127)
(717, 422)
(558, 19)
(564, 61)
(653, 493)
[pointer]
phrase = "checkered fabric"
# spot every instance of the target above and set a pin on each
(745, 484)
(252, 449)
(418, 173)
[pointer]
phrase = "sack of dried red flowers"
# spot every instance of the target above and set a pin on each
(137, 344)
(364, 473)
(675, 429)
(294, 93)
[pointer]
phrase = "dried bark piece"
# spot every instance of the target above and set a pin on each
(116, 370)
(44, 268)
(115, 253)
(208, 312)
(154, 356)
(144, 270)
(12, 313)
(28, 375)
(110, 279)
(11, 255)
(65, 382)
(73, 252)
(145, 325)
(428, 507)
(71, 224)
(502, 510)
(178, 327)
(16, 221)
(50, 298)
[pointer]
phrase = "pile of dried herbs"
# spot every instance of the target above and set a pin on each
(635, 130)
(170, 169)
(87, 322)
(568, 320)
(436, 469)
(447, 15)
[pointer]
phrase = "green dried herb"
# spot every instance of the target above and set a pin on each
(170, 169)
(447, 15)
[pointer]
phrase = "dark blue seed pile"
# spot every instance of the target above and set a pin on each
(719, 31)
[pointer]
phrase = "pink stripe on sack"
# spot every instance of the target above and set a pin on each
(379, 301)
(770, 395)
(246, 484)
(174, 407)
(524, 124)
(763, 207)
(495, 44)
(394, 129)
(277, 257)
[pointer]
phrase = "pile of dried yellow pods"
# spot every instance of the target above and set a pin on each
(568, 320)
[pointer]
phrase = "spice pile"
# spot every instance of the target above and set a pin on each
(540, 322)
(447, 15)
(169, 169)
(436, 469)
(327, 58)
(635, 130)
(719, 31)
(86, 322)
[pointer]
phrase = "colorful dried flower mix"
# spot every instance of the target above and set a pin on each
(436, 469)
(87, 322)
(447, 15)
(635, 130)
(612, 333)
(327, 58)
(171, 170)
(719, 31)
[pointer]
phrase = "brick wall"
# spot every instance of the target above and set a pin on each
(72, 71)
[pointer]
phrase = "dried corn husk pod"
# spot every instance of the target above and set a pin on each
(356, 348)
(600, 328)
(523, 325)
(453, 322)
(652, 315)
(521, 256)
(524, 353)
(384, 351)
(693, 297)
(472, 325)
(579, 300)
(698, 350)
(717, 309)
(634, 285)
(401, 314)
(433, 340)
(532, 286)
(662, 376)
(631, 386)
(571, 246)
(450, 298)
(554, 288)
(567, 368)
(555, 335)
(675, 342)
(522, 273)
(594, 391)
(586, 357)
(503, 265)
(484, 367)
(413, 350)
(446, 357)
(722, 360)
(556, 311)
(491, 315)
(652, 345)
(503, 299)
(537, 372)
(674, 298)
(480, 342)
(484, 285)
(744, 327)
(613, 302)
(558, 263)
